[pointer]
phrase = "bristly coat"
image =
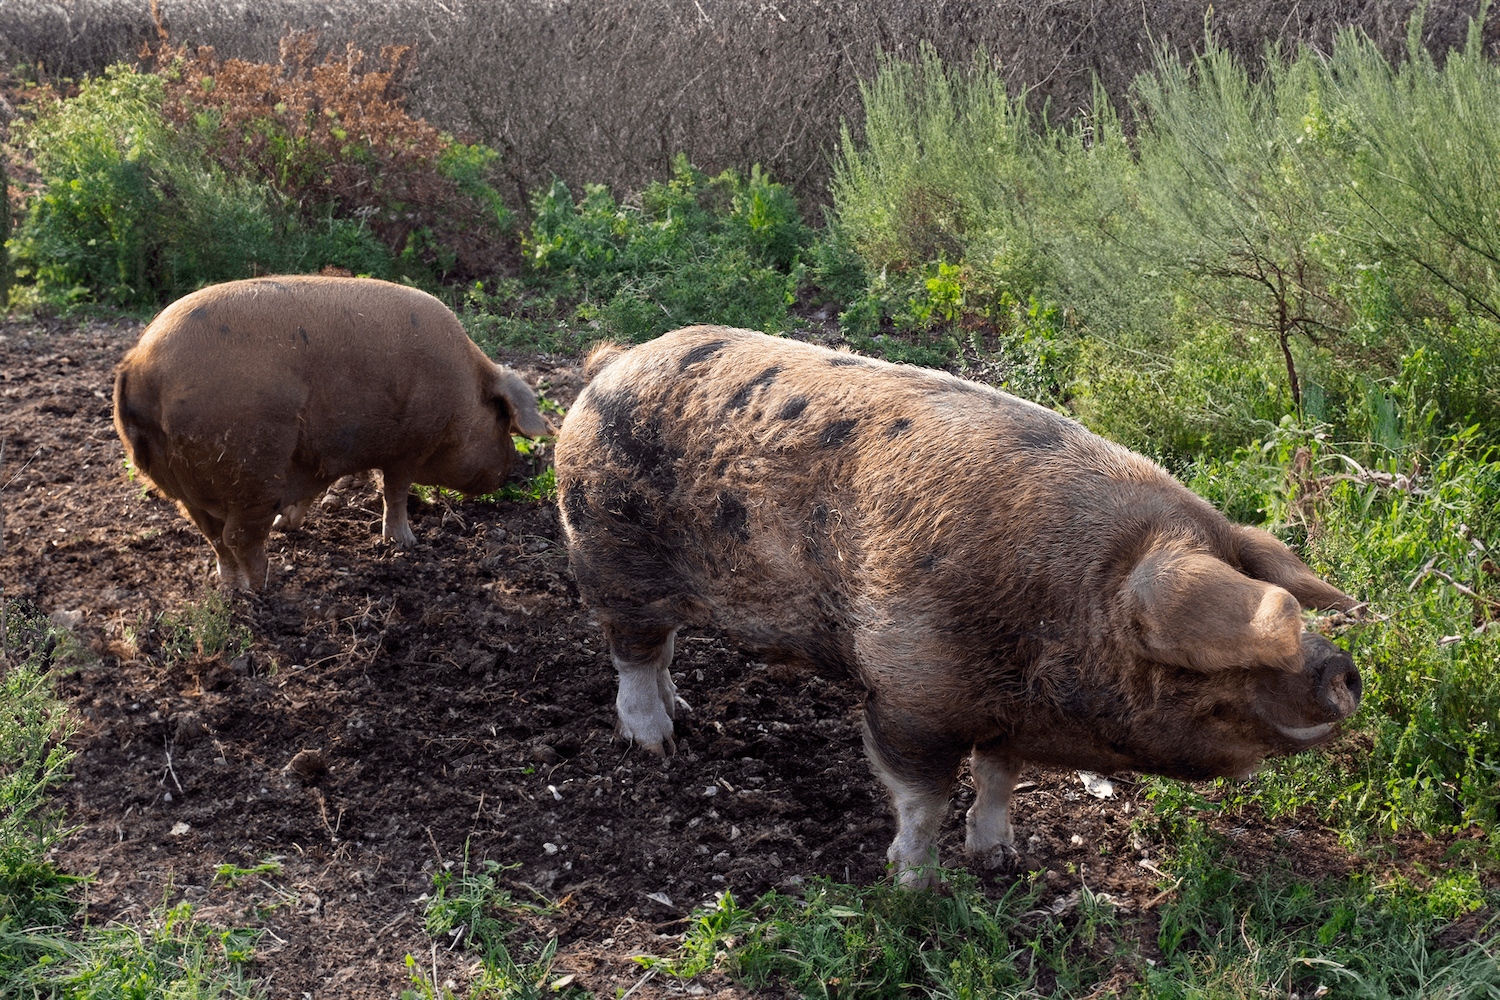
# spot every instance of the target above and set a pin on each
(1004, 582)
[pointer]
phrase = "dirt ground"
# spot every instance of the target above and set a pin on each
(400, 710)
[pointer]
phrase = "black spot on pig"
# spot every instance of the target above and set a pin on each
(629, 507)
(732, 517)
(700, 353)
(815, 534)
(846, 361)
(1040, 435)
(741, 399)
(898, 427)
(792, 408)
(636, 439)
(837, 433)
(576, 506)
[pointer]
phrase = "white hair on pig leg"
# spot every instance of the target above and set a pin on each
(990, 835)
(647, 701)
(919, 815)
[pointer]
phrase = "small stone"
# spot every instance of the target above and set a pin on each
(309, 764)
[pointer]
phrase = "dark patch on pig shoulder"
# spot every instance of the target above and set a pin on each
(415, 322)
(301, 332)
(732, 517)
(837, 433)
(816, 536)
(847, 361)
(200, 314)
(792, 408)
(741, 399)
(1040, 434)
(629, 507)
(575, 506)
(636, 442)
(701, 353)
(898, 427)
(224, 329)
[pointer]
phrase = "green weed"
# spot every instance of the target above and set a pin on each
(174, 955)
(34, 757)
(469, 906)
(697, 249)
(878, 941)
(202, 628)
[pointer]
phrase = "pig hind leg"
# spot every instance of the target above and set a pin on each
(647, 701)
(917, 766)
(245, 537)
(232, 576)
(989, 833)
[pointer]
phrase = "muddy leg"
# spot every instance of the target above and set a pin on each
(647, 701)
(231, 575)
(396, 485)
(990, 836)
(917, 767)
(245, 537)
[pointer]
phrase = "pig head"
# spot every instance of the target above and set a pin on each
(1009, 587)
(245, 400)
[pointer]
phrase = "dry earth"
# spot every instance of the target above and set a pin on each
(399, 710)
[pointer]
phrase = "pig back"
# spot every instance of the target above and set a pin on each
(796, 495)
(351, 369)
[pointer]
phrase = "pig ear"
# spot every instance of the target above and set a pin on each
(520, 400)
(1193, 610)
(1263, 556)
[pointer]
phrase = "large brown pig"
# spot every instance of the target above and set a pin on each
(245, 400)
(1006, 584)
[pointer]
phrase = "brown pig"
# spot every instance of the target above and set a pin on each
(245, 400)
(1008, 586)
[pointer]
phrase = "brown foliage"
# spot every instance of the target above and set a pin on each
(611, 90)
(333, 135)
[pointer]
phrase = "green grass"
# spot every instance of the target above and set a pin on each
(42, 953)
(469, 907)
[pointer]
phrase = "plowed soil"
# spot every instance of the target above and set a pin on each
(399, 711)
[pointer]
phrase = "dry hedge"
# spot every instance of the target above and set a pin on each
(609, 90)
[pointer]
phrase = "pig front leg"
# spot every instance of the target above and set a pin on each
(917, 764)
(396, 486)
(647, 700)
(990, 836)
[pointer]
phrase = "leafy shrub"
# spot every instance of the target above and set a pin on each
(128, 210)
(334, 138)
(942, 156)
(698, 249)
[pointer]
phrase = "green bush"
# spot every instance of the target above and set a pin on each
(129, 211)
(724, 250)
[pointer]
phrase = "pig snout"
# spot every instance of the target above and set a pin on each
(1305, 707)
(1339, 683)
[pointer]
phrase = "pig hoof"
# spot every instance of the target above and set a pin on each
(920, 877)
(401, 537)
